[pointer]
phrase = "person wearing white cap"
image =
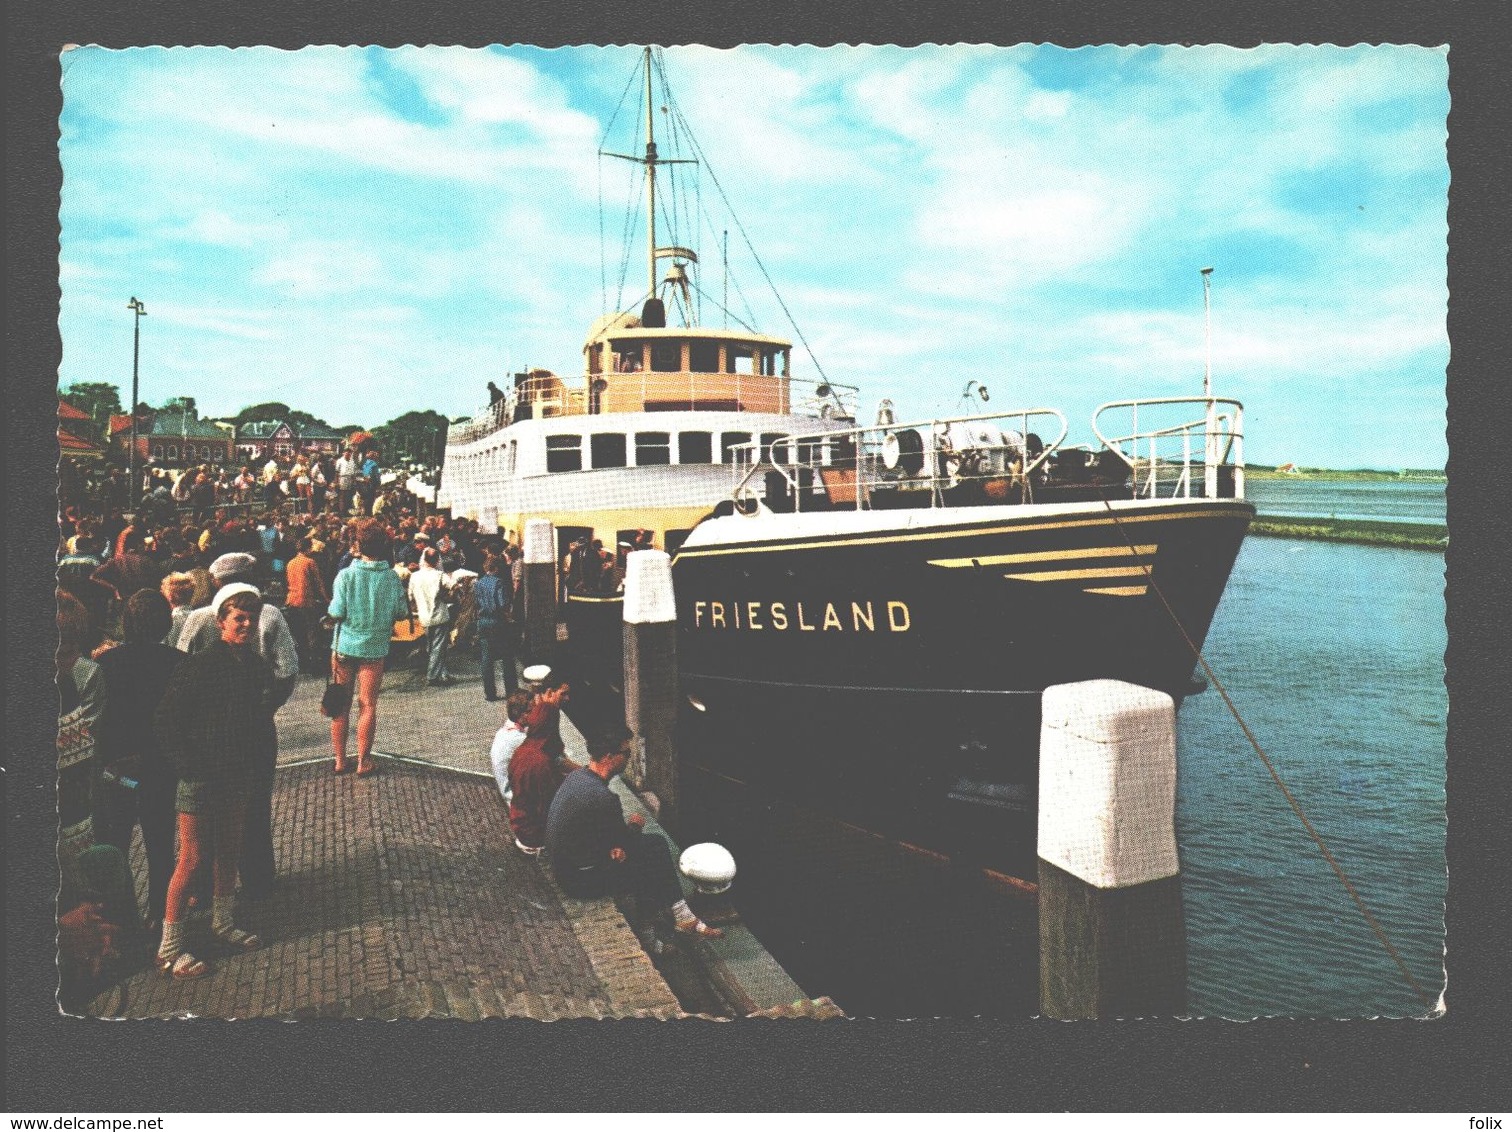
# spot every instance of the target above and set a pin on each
(210, 723)
(235, 573)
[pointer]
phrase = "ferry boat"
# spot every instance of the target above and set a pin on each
(868, 610)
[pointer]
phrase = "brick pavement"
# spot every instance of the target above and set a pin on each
(401, 895)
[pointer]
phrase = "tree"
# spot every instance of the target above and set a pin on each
(301, 420)
(99, 399)
(267, 411)
(415, 437)
(180, 405)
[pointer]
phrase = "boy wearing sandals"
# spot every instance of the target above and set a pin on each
(209, 722)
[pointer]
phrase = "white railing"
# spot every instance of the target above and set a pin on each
(997, 457)
(549, 396)
(1166, 456)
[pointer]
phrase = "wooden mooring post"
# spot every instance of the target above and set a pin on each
(1112, 940)
(651, 675)
(540, 591)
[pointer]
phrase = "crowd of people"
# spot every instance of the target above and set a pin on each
(309, 482)
(183, 629)
(182, 633)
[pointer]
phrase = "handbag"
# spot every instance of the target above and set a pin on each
(336, 701)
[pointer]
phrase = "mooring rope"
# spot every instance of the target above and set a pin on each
(1296, 807)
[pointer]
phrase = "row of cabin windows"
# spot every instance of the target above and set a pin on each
(564, 451)
(697, 356)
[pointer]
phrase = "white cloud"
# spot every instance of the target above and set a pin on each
(300, 230)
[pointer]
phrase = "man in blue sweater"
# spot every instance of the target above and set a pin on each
(596, 851)
(493, 604)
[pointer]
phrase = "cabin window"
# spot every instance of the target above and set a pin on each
(627, 357)
(727, 441)
(769, 362)
(608, 449)
(564, 453)
(703, 357)
(695, 448)
(666, 357)
(739, 359)
(768, 439)
(653, 448)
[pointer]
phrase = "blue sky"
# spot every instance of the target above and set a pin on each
(360, 232)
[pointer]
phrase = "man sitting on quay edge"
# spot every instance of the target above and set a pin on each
(596, 851)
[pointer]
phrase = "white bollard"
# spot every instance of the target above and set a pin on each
(540, 590)
(1112, 942)
(650, 614)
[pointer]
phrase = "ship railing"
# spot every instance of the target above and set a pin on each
(1200, 456)
(984, 458)
(547, 395)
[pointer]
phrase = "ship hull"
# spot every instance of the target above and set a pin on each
(891, 675)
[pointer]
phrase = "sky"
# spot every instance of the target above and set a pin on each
(359, 232)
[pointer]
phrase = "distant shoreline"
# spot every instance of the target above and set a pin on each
(1362, 532)
(1361, 475)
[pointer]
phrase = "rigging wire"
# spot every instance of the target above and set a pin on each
(749, 247)
(1270, 767)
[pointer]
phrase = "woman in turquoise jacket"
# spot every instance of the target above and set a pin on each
(366, 600)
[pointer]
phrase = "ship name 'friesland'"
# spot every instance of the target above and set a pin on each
(803, 616)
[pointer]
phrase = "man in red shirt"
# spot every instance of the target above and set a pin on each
(305, 606)
(536, 770)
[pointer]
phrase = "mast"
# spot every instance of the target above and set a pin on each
(651, 163)
(651, 159)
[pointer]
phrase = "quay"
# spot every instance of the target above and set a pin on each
(402, 897)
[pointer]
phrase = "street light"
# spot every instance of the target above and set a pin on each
(136, 305)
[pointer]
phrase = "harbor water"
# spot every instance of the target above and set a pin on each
(1334, 656)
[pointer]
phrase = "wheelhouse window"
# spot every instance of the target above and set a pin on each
(666, 357)
(564, 453)
(695, 448)
(653, 448)
(727, 441)
(608, 449)
(739, 359)
(627, 357)
(703, 357)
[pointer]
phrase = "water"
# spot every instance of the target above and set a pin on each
(1334, 655)
(1405, 501)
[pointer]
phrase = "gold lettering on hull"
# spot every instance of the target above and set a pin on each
(781, 617)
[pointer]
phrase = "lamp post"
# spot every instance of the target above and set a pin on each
(139, 308)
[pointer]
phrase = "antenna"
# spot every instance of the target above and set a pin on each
(1207, 332)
